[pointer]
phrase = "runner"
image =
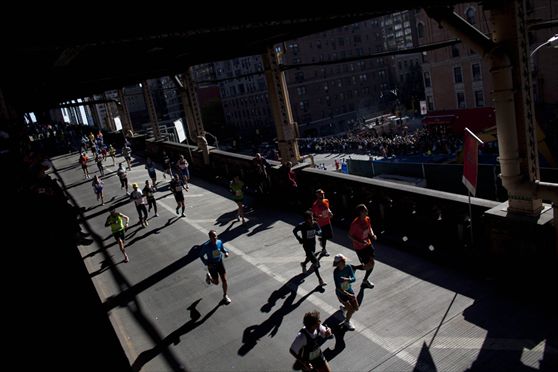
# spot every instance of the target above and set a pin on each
(176, 185)
(116, 222)
(309, 229)
(237, 188)
(211, 254)
(344, 275)
(361, 235)
(323, 215)
(306, 346)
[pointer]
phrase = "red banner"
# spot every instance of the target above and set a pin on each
(470, 160)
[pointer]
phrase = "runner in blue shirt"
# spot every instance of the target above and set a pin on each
(211, 254)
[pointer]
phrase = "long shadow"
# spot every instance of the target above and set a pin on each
(79, 183)
(271, 325)
(169, 222)
(69, 167)
(524, 324)
(115, 201)
(129, 294)
(174, 337)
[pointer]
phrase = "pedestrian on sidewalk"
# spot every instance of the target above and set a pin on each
(361, 234)
(323, 215)
(211, 254)
(306, 345)
(308, 231)
(118, 227)
(344, 275)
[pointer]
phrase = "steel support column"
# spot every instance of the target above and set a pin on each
(151, 110)
(124, 112)
(109, 120)
(287, 129)
(507, 57)
(95, 113)
(510, 32)
(192, 111)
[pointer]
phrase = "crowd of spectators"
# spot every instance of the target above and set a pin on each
(368, 142)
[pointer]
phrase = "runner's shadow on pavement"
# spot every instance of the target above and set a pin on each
(225, 218)
(271, 325)
(262, 226)
(230, 234)
(105, 265)
(149, 231)
(338, 332)
(287, 288)
(174, 338)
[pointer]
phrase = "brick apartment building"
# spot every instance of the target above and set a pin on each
(329, 99)
(456, 77)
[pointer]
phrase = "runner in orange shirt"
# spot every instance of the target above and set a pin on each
(322, 214)
(361, 234)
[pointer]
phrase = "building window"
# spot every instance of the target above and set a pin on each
(470, 15)
(479, 98)
(299, 77)
(427, 81)
(454, 51)
(457, 75)
(420, 29)
(461, 100)
(430, 103)
(477, 76)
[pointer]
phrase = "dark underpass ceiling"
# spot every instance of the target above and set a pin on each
(50, 59)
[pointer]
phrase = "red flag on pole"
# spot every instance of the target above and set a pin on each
(470, 160)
